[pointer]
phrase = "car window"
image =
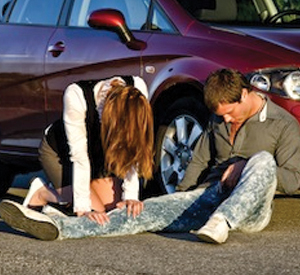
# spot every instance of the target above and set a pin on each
(135, 12)
(245, 12)
(160, 21)
(287, 4)
(40, 12)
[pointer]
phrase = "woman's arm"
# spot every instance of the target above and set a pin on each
(74, 121)
(131, 186)
(130, 195)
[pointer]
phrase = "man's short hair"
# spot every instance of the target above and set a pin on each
(224, 86)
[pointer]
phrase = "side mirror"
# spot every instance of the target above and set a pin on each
(113, 20)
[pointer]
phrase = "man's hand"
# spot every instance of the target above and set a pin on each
(134, 207)
(232, 174)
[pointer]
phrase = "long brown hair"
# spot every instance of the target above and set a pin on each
(127, 132)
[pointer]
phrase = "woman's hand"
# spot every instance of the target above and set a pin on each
(99, 217)
(134, 207)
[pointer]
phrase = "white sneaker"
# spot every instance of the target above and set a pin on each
(35, 185)
(215, 230)
(32, 222)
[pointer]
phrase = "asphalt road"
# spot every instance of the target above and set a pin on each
(276, 250)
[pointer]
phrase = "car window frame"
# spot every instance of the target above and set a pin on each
(149, 18)
(155, 5)
(4, 17)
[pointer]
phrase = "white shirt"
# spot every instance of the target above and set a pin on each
(74, 115)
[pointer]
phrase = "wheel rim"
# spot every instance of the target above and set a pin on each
(177, 148)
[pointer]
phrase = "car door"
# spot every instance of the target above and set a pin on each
(25, 29)
(76, 51)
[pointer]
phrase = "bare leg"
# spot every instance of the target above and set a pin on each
(42, 196)
(39, 194)
(105, 194)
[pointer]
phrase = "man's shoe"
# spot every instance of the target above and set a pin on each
(215, 230)
(32, 222)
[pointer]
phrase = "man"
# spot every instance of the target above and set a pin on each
(250, 147)
(245, 123)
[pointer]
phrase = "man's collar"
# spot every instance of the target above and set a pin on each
(262, 115)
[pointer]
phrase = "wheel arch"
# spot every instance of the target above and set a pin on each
(173, 94)
(180, 78)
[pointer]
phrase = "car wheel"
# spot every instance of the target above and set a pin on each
(176, 137)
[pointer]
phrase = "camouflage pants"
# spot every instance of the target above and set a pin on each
(247, 207)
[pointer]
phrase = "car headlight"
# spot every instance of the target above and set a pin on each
(291, 84)
(283, 82)
(261, 82)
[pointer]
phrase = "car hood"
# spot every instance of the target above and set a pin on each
(284, 37)
(244, 48)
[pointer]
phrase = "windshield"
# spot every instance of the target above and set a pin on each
(245, 12)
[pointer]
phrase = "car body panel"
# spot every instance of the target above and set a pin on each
(285, 37)
(22, 97)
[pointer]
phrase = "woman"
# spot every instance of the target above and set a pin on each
(105, 136)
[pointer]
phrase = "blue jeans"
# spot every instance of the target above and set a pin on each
(247, 207)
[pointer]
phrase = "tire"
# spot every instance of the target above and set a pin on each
(177, 134)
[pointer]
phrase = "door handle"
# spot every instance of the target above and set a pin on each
(57, 48)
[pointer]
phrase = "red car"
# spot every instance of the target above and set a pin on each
(172, 44)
